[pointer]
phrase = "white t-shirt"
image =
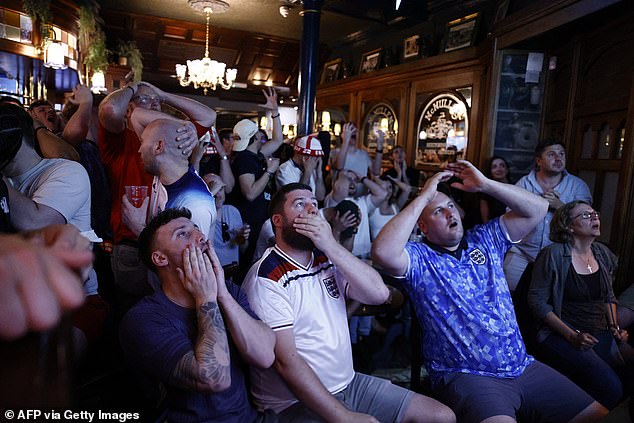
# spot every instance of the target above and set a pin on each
(310, 301)
(358, 161)
(289, 172)
(266, 239)
(378, 220)
(62, 185)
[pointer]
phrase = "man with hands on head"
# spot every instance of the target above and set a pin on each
(472, 345)
(305, 166)
(212, 157)
(119, 142)
(350, 156)
(193, 333)
(299, 288)
(185, 188)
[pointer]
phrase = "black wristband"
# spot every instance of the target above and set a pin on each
(132, 89)
(363, 178)
(276, 116)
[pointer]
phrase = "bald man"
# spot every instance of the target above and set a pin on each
(162, 157)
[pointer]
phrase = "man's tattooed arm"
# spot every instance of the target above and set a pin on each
(207, 367)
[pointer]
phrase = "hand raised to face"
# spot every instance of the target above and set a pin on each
(197, 275)
(316, 228)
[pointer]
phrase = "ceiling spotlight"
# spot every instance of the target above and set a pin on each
(284, 9)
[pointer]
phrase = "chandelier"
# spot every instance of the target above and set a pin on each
(206, 73)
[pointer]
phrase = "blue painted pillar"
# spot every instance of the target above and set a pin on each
(308, 62)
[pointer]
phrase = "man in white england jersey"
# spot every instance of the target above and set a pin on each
(299, 288)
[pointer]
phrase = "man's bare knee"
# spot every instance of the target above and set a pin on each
(592, 413)
(428, 410)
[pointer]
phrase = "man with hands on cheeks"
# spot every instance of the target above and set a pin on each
(193, 333)
(472, 345)
(299, 288)
(305, 166)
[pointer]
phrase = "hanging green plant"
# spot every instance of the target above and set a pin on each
(131, 51)
(96, 58)
(92, 40)
(38, 9)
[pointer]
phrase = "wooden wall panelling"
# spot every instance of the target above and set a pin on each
(489, 117)
(456, 69)
(625, 248)
(543, 16)
(602, 104)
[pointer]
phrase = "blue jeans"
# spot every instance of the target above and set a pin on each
(594, 370)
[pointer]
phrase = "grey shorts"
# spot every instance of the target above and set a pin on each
(539, 394)
(365, 394)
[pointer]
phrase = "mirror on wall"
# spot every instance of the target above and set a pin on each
(332, 119)
(381, 117)
(442, 127)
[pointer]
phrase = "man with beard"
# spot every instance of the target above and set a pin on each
(299, 288)
(550, 180)
(196, 332)
(472, 345)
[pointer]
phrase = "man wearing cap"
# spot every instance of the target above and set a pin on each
(305, 166)
(254, 168)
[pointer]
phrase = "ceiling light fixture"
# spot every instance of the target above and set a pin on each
(286, 6)
(206, 73)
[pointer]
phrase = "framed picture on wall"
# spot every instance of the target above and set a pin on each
(461, 32)
(332, 70)
(371, 60)
(411, 46)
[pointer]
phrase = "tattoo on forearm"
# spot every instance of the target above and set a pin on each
(209, 363)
